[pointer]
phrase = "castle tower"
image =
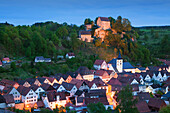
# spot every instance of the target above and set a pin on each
(119, 63)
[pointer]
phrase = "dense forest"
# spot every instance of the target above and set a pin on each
(156, 39)
(50, 39)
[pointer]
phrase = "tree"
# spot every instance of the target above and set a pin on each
(146, 37)
(62, 32)
(98, 42)
(164, 45)
(126, 25)
(97, 108)
(88, 21)
(152, 31)
(118, 24)
(13, 66)
(127, 103)
(165, 109)
(28, 52)
(112, 21)
(156, 35)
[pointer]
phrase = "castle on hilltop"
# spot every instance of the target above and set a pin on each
(103, 26)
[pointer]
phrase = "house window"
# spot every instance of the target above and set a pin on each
(34, 99)
(15, 92)
(39, 89)
(30, 93)
(34, 96)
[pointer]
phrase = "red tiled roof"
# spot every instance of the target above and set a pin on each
(70, 54)
(85, 32)
(9, 82)
(5, 59)
(156, 103)
(96, 100)
(9, 98)
(142, 106)
(40, 104)
(100, 73)
(7, 89)
(98, 62)
(23, 90)
(104, 18)
(77, 82)
(51, 79)
(114, 81)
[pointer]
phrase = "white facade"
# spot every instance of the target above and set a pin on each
(147, 78)
(94, 87)
(102, 66)
(134, 82)
(16, 95)
(39, 91)
(119, 65)
(73, 90)
(61, 88)
(69, 57)
(11, 105)
(30, 98)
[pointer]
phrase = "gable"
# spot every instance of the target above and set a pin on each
(40, 90)
(31, 93)
(13, 91)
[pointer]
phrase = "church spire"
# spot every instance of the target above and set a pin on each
(119, 57)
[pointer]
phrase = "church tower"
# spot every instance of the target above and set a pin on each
(119, 63)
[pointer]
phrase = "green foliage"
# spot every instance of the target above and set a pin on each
(43, 110)
(88, 21)
(165, 109)
(146, 37)
(98, 42)
(13, 66)
(97, 108)
(127, 103)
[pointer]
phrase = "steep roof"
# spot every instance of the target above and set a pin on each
(2, 99)
(77, 82)
(47, 87)
(9, 82)
(142, 106)
(127, 65)
(85, 32)
(41, 79)
(30, 80)
(51, 79)
(40, 104)
(39, 58)
(143, 96)
(7, 89)
(100, 73)
(96, 100)
(119, 57)
(9, 98)
(83, 70)
(99, 82)
(67, 86)
(156, 103)
(114, 81)
(113, 62)
(71, 54)
(5, 59)
(98, 62)
(78, 92)
(104, 18)
(34, 87)
(97, 92)
(23, 90)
